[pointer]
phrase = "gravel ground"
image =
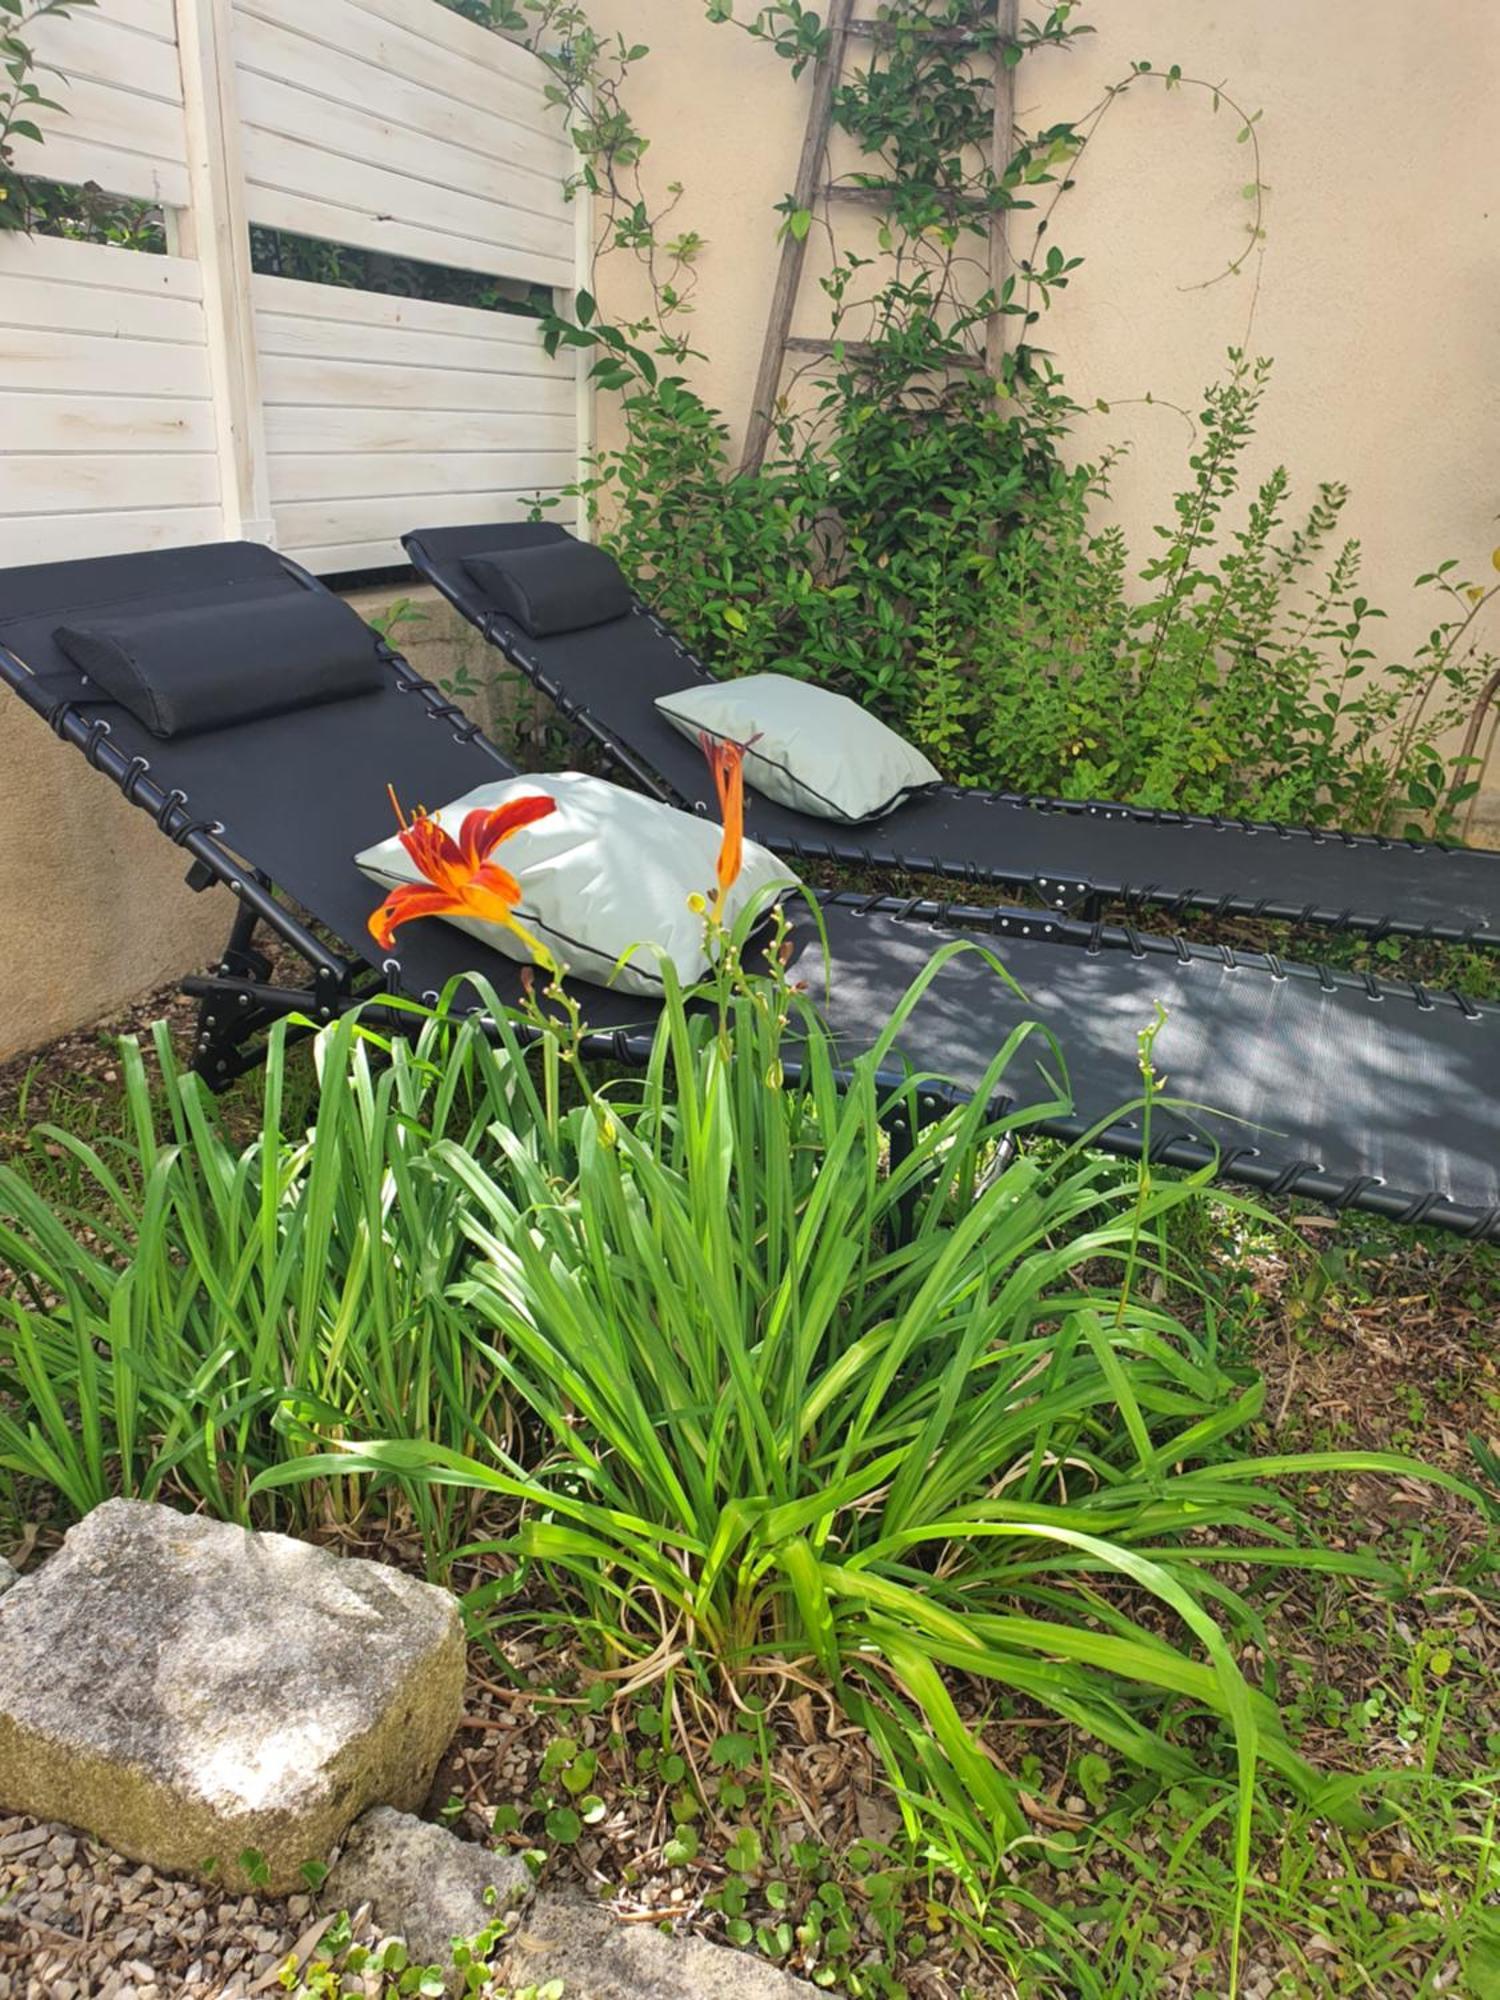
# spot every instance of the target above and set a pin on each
(79, 1923)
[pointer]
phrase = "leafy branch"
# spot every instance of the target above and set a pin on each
(22, 100)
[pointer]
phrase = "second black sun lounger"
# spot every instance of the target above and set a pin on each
(1356, 1093)
(606, 678)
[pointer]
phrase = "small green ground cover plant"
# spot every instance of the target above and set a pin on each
(385, 1970)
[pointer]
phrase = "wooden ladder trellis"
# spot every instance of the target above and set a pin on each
(843, 28)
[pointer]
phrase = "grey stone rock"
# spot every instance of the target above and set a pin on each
(598, 1958)
(422, 1883)
(191, 1693)
(8, 1575)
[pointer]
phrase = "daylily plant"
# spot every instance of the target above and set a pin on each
(460, 878)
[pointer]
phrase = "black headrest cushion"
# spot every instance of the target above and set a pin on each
(553, 587)
(207, 666)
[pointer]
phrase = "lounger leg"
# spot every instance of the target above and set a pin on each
(239, 958)
(904, 1125)
(901, 1142)
(235, 1013)
(223, 1027)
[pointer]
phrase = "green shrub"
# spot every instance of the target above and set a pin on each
(929, 554)
(1243, 679)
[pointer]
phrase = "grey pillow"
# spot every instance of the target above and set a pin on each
(608, 870)
(816, 751)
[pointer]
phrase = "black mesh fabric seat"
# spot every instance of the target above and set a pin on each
(606, 678)
(1288, 1078)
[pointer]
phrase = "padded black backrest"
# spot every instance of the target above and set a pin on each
(553, 587)
(180, 669)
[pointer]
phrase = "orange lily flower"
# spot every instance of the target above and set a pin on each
(727, 762)
(461, 879)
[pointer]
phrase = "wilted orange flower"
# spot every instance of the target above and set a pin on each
(461, 880)
(727, 762)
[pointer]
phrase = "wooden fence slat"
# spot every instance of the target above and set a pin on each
(348, 558)
(77, 482)
(333, 340)
(296, 298)
(369, 535)
(130, 146)
(390, 431)
(294, 184)
(60, 261)
(93, 47)
(122, 532)
(467, 40)
(145, 17)
(363, 385)
(345, 479)
(65, 362)
(421, 178)
(47, 307)
(121, 425)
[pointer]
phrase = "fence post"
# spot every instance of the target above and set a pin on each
(216, 232)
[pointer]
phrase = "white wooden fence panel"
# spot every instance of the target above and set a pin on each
(118, 78)
(105, 414)
(323, 157)
(146, 400)
(421, 389)
(366, 385)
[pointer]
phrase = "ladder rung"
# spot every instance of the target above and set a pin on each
(879, 197)
(888, 30)
(866, 350)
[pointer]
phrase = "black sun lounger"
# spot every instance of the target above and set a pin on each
(1352, 1092)
(606, 676)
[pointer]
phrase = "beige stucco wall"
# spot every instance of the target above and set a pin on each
(98, 911)
(1378, 293)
